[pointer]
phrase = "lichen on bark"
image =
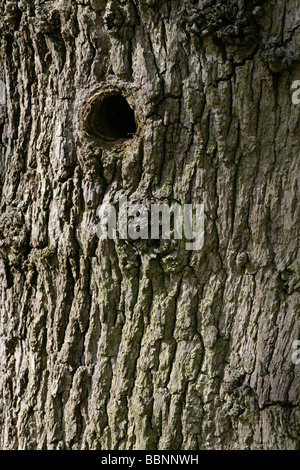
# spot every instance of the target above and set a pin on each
(130, 345)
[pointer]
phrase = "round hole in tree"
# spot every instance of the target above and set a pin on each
(112, 119)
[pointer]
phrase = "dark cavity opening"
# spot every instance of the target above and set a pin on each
(112, 119)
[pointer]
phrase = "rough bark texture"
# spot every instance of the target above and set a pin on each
(131, 345)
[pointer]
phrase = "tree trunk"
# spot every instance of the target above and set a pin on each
(131, 344)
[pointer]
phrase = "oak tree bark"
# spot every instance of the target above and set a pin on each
(123, 344)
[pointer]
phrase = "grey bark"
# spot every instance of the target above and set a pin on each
(128, 345)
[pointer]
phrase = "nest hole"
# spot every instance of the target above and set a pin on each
(112, 119)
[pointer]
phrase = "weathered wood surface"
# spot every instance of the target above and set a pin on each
(126, 345)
